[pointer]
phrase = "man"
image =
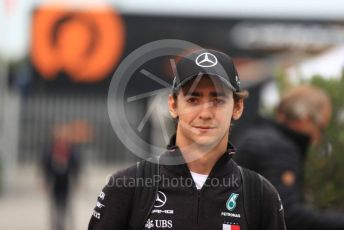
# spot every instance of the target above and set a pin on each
(277, 150)
(61, 168)
(205, 98)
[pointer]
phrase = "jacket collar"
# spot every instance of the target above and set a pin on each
(231, 150)
(222, 167)
(301, 140)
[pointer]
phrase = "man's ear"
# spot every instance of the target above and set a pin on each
(172, 106)
(238, 109)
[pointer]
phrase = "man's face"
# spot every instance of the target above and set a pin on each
(205, 108)
(316, 129)
(310, 127)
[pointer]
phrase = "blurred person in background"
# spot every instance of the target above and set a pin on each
(277, 149)
(61, 168)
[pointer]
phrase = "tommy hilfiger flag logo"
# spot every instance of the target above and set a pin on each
(230, 227)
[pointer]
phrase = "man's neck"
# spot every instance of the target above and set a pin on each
(206, 157)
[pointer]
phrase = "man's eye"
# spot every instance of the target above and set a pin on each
(218, 101)
(192, 100)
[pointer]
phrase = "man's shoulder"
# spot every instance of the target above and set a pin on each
(258, 178)
(138, 170)
(128, 172)
(119, 179)
(266, 189)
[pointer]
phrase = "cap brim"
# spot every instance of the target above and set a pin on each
(187, 79)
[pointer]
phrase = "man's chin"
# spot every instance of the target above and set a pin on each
(206, 142)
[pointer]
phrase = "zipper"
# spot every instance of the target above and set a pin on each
(198, 205)
(156, 190)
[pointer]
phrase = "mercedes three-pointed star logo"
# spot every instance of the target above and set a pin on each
(160, 200)
(206, 60)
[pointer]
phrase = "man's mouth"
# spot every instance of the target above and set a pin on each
(204, 128)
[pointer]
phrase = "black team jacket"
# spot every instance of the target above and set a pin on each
(218, 205)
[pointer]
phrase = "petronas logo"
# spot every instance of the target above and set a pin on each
(231, 202)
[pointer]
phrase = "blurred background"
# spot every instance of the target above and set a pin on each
(56, 63)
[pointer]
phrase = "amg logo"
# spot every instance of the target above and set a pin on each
(230, 214)
(163, 211)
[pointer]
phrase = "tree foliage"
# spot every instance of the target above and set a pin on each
(324, 174)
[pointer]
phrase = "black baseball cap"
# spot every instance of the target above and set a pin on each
(206, 62)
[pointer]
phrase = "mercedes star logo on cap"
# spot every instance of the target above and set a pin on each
(206, 60)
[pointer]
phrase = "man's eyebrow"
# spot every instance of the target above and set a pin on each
(212, 94)
(218, 94)
(195, 94)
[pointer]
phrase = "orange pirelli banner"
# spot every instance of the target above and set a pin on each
(84, 44)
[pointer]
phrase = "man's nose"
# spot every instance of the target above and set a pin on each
(206, 111)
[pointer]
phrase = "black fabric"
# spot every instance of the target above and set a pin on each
(113, 206)
(272, 149)
(223, 67)
(252, 184)
(185, 207)
(144, 196)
